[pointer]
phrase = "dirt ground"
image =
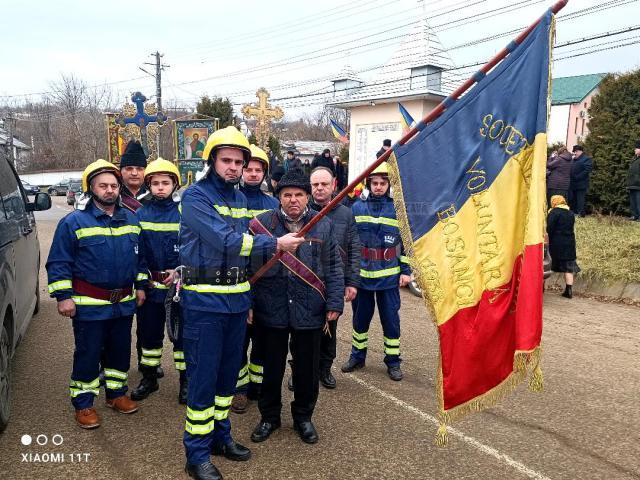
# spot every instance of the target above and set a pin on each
(584, 425)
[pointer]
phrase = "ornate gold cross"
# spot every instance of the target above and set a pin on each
(263, 113)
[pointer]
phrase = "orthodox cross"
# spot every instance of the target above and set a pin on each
(141, 116)
(263, 113)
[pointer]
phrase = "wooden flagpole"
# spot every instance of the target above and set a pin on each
(435, 113)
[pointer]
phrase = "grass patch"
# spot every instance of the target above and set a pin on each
(608, 248)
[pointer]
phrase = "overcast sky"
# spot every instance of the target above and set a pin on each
(290, 47)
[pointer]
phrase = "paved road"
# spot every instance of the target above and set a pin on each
(585, 424)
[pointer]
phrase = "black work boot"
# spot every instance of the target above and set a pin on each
(352, 365)
(184, 388)
(148, 384)
(568, 291)
(327, 379)
(203, 471)
(395, 373)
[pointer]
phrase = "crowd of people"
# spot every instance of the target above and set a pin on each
(568, 176)
(135, 246)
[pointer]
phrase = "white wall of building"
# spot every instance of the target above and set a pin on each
(558, 124)
(370, 125)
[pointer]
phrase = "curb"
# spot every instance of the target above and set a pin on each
(615, 289)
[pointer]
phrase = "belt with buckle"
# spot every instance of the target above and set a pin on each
(213, 276)
(159, 276)
(112, 296)
(379, 253)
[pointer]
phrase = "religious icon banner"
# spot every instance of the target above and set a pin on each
(191, 137)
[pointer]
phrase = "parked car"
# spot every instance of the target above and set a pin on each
(74, 188)
(29, 189)
(19, 271)
(61, 187)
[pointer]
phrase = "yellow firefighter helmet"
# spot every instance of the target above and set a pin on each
(260, 155)
(382, 169)
(228, 137)
(162, 166)
(96, 168)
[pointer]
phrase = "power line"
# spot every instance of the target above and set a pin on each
(588, 10)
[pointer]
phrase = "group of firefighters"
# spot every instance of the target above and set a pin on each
(134, 246)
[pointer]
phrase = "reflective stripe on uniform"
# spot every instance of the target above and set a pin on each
(404, 259)
(222, 407)
(110, 232)
(247, 245)
(151, 358)
(255, 373)
(200, 422)
(160, 227)
(82, 300)
(59, 285)
(78, 388)
(159, 286)
(243, 376)
(115, 379)
(226, 289)
(205, 414)
(392, 222)
(360, 340)
(142, 276)
(232, 212)
(391, 346)
(387, 272)
(178, 360)
(110, 372)
(114, 384)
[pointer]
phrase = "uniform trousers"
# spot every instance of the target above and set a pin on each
(151, 318)
(251, 366)
(109, 339)
(363, 308)
(305, 350)
(212, 349)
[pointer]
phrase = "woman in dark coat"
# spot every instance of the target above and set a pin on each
(558, 174)
(562, 241)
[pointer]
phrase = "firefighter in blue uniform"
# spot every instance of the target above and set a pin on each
(97, 276)
(383, 269)
(251, 369)
(214, 249)
(160, 222)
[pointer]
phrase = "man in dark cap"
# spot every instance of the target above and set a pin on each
(311, 285)
(579, 183)
(633, 184)
(386, 145)
(132, 196)
(132, 165)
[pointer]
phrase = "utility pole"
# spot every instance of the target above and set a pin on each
(158, 76)
(9, 127)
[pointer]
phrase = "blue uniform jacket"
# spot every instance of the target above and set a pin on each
(214, 235)
(160, 222)
(378, 228)
(101, 250)
(257, 201)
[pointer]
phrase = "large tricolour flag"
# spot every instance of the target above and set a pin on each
(470, 195)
